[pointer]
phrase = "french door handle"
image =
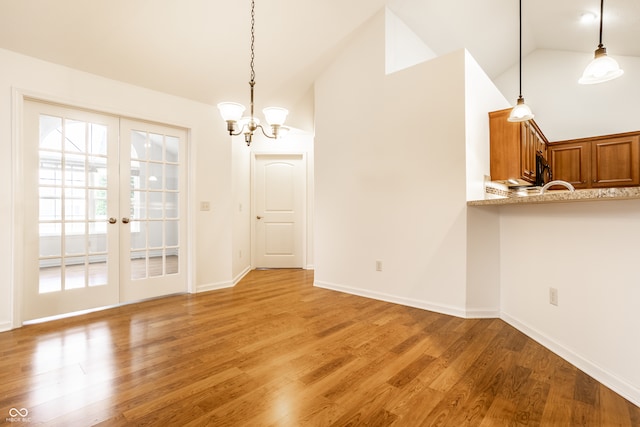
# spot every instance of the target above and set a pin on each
(125, 220)
(258, 217)
(112, 220)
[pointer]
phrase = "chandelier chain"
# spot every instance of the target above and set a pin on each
(253, 38)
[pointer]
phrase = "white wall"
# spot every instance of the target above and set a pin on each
(210, 169)
(390, 176)
(481, 97)
(241, 207)
(483, 231)
(403, 47)
(589, 252)
(565, 109)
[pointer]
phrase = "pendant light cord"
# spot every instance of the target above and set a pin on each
(600, 46)
(520, 57)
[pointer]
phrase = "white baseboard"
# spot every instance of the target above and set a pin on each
(241, 275)
(620, 386)
(223, 285)
(482, 313)
(214, 286)
(425, 305)
(5, 326)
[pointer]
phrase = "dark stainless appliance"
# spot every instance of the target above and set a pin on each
(543, 170)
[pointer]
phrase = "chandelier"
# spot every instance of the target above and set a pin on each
(232, 112)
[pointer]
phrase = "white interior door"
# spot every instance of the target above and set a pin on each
(71, 193)
(279, 194)
(105, 210)
(152, 210)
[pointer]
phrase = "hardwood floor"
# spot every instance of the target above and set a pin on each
(276, 351)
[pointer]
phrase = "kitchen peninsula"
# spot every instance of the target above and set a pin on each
(564, 196)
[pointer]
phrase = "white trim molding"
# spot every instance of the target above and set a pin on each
(425, 305)
(610, 380)
(214, 286)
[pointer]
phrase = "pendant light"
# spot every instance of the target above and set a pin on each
(521, 112)
(231, 112)
(602, 68)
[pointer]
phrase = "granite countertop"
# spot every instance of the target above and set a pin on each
(564, 196)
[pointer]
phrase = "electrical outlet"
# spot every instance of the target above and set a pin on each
(553, 296)
(378, 265)
(205, 206)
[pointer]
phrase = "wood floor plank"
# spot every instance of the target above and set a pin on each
(276, 351)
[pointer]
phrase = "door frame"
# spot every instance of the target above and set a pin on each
(305, 202)
(18, 96)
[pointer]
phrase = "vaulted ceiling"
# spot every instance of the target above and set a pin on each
(199, 49)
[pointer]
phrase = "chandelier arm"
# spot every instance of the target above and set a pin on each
(240, 132)
(265, 133)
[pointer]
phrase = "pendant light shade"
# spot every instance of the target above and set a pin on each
(521, 112)
(603, 68)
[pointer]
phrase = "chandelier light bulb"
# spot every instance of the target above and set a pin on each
(231, 111)
(275, 115)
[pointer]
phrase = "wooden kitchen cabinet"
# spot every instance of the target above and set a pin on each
(513, 147)
(615, 162)
(571, 162)
(597, 162)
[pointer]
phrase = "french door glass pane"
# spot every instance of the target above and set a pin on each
(154, 201)
(50, 239)
(138, 265)
(172, 145)
(74, 273)
(97, 270)
(155, 234)
(156, 207)
(156, 146)
(50, 132)
(50, 275)
(98, 139)
(72, 204)
(75, 136)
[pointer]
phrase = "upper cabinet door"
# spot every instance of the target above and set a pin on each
(615, 162)
(570, 162)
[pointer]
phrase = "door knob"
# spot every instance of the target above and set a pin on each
(125, 220)
(112, 220)
(258, 217)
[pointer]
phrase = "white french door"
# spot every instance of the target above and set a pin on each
(152, 210)
(104, 210)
